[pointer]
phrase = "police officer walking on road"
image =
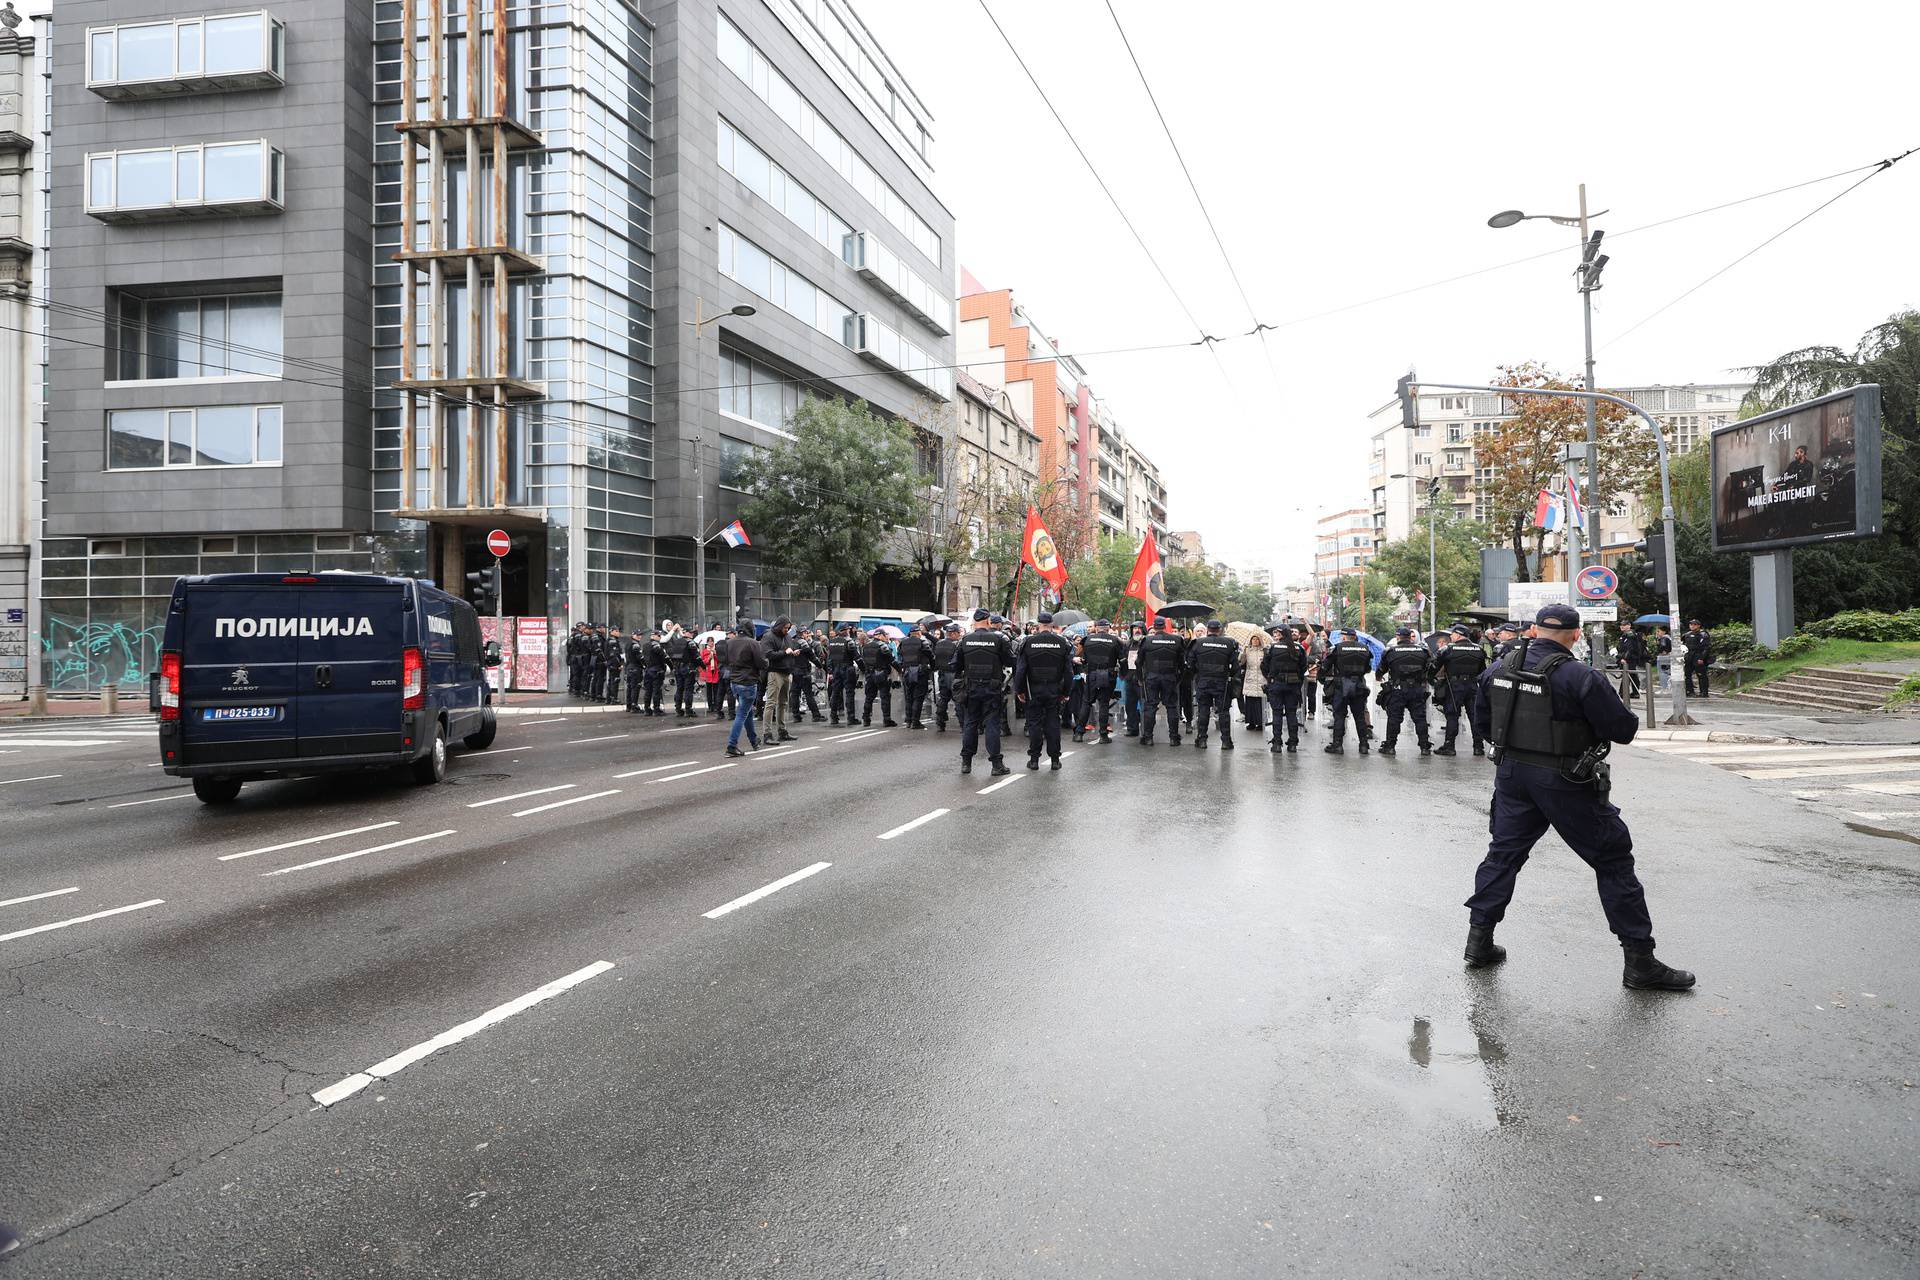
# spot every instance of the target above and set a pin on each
(1215, 661)
(1458, 667)
(1160, 661)
(1284, 665)
(843, 656)
(876, 665)
(1551, 720)
(1046, 673)
(1344, 672)
(986, 659)
(1101, 655)
(1407, 668)
(946, 659)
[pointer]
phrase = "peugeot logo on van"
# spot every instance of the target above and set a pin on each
(240, 676)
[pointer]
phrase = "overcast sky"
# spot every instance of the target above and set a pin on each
(1351, 150)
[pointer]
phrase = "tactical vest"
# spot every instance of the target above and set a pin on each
(1287, 662)
(1213, 656)
(840, 653)
(944, 653)
(873, 657)
(1523, 725)
(1047, 659)
(1463, 661)
(1102, 652)
(1159, 654)
(1351, 658)
(982, 657)
(1406, 663)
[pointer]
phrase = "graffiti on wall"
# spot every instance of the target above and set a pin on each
(93, 654)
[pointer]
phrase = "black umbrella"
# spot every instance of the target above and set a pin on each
(1180, 609)
(1067, 617)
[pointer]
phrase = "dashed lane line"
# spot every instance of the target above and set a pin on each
(522, 795)
(561, 804)
(127, 804)
(659, 768)
(387, 1068)
(528, 724)
(35, 897)
(920, 821)
(607, 737)
(1008, 781)
(781, 753)
(357, 853)
(855, 737)
(97, 915)
(295, 844)
(692, 773)
(686, 727)
(747, 899)
(1826, 770)
(40, 777)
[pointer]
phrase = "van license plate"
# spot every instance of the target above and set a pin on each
(240, 713)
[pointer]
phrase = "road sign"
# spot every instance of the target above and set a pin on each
(1591, 613)
(1597, 582)
(498, 544)
(1524, 599)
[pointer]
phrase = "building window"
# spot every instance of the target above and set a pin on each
(219, 546)
(733, 454)
(211, 436)
(752, 166)
(758, 271)
(184, 181)
(226, 336)
(882, 343)
(757, 392)
(187, 55)
(110, 547)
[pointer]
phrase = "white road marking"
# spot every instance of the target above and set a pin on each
(784, 753)
(905, 827)
(1004, 782)
(35, 897)
(44, 777)
(528, 724)
(358, 853)
(561, 804)
(36, 740)
(1887, 788)
(1789, 751)
(765, 889)
(659, 768)
(1828, 770)
(61, 924)
(610, 737)
(1065, 754)
(125, 804)
(855, 737)
(387, 1068)
(1878, 815)
(685, 727)
(691, 773)
(481, 804)
(295, 844)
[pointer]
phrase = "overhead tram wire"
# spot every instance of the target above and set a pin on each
(1219, 243)
(1206, 339)
(1877, 169)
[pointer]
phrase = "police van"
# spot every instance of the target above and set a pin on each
(269, 675)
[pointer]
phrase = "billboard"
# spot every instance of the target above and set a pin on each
(1806, 473)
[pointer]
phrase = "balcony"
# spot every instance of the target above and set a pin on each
(516, 262)
(194, 180)
(886, 270)
(180, 56)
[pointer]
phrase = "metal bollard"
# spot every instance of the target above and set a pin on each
(110, 700)
(37, 700)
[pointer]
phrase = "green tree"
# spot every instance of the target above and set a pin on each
(1456, 543)
(825, 503)
(1097, 585)
(1356, 596)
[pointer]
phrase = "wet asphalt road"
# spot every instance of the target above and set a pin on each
(1161, 1014)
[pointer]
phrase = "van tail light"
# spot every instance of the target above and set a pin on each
(169, 686)
(413, 680)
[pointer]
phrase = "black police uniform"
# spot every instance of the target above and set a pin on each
(1284, 665)
(1699, 654)
(1344, 671)
(805, 662)
(597, 666)
(1214, 660)
(986, 656)
(1046, 673)
(680, 657)
(876, 665)
(1136, 684)
(1407, 667)
(653, 659)
(915, 656)
(577, 661)
(1101, 654)
(946, 656)
(1161, 658)
(616, 653)
(636, 661)
(1548, 775)
(1460, 666)
(842, 664)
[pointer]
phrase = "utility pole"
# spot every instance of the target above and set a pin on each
(1592, 262)
(699, 543)
(1433, 574)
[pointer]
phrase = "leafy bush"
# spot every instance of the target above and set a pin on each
(1908, 693)
(1734, 641)
(1797, 644)
(1867, 624)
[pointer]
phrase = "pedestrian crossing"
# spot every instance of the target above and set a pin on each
(1880, 783)
(42, 737)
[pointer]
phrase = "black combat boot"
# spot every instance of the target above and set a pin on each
(1106, 737)
(1481, 950)
(1201, 742)
(1426, 749)
(1275, 747)
(1445, 748)
(1292, 746)
(1643, 972)
(1366, 744)
(1000, 769)
(1033, 762)
(1479, 749)
(966, 764)
(1335, 749)
(1386, 748)
(1055, 766)
(1226, 744)
(1079, 735)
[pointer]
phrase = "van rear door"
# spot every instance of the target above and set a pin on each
(237, 675)
(350, 666)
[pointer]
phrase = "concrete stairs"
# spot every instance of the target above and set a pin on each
(1828, 689)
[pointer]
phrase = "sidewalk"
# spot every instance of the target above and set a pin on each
(527, 703)
(1730, 718)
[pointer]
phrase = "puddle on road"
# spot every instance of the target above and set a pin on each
(1437, 1071)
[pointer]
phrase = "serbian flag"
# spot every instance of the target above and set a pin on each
(1546, 511)
(1038, 549)
(1576, 509)
(735, 535)
(1146, 583)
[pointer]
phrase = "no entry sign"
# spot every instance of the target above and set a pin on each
(498, 544)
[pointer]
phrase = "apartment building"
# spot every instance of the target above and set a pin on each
(343, 286)
(1002, 347)
(1343, 543)
(999, 459)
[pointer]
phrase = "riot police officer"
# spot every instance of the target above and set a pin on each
(1699, 661)
(916, 657)
(635, 661)
(946, 658)
(1161, 659)
(1215, 662)
(615, 654)
(843, 656)
(1551, 720)
(1344, 672)
(578, 643)
(1284, 665)
(1459, 664)
(653, 661)
(876, 667)
(1045, 674)
(597, 665)
(1505, 637)
(680, 657)
(1406, 668)
(986, 659)
(1101, 654)
(810, 658)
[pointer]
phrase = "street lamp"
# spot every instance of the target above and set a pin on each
(700, 538)
(1592, 263)
(1433, 576)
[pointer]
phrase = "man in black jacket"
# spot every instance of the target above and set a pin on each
(746, 667)
(843, 667)
(1457, 669)
(1284, 667)
(915, 655)
(680, 657)
(1162, 656)
(946, 656)
(1406, 669)
(616, 657)
(781, 649)
(1215, 662)
(986, 656)
(1699, 642)
(1045, 675)
(876, 665)
(1101, 655)
(805, 662)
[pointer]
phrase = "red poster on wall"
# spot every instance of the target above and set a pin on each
(530, 653)
(501, 630)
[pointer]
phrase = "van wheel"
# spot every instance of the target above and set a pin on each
(216, 790)
(432, 767)
(484, 738)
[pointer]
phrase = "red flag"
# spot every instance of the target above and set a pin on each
(1146, 583)
(1038, 550)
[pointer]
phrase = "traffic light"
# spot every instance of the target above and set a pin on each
(742, 592)
(483, 589)
(1409, 405)
(1654, 548)
(1592, 263)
